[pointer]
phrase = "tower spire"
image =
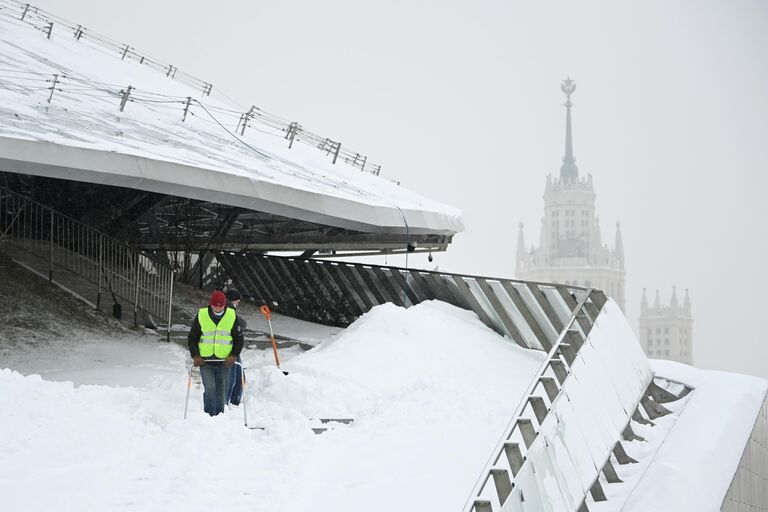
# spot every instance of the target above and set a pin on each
(568, 169)
(673, 303)
(520, 247)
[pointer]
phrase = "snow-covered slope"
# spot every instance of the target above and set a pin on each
(430, 389)
(82, 134)
(695, 456)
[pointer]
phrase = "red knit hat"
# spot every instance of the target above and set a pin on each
(218, 299)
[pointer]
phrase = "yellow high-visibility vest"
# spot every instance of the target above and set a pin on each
(216, 339)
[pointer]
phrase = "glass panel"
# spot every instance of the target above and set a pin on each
(516, 316)
(485, 303)
(537, 312)
(580, 294)
(559, 305)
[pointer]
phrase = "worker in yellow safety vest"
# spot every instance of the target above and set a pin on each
(215, 341)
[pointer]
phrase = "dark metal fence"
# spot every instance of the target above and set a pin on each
(111, 265)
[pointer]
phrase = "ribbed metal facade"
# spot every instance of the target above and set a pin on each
(749, 489)
(337, 293)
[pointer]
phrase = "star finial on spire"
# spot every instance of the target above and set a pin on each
(568, 87)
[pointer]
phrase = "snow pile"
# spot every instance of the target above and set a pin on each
(430, 389)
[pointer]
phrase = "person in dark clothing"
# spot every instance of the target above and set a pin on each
(215, 341)
(235, 386)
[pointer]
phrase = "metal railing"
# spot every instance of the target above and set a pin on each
(112, 266)
(568, 427)
(337, 293)
(234, 121)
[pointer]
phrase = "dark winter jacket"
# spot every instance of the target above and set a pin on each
(195, 332)
(240, 319)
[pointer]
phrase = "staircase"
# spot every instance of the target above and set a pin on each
(100, 270)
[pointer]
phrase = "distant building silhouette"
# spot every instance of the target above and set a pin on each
(571, 250)
(666, 332)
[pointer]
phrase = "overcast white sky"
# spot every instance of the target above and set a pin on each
(461, 101)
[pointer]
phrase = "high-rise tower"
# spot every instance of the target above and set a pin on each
(570, 249)
(666, 332)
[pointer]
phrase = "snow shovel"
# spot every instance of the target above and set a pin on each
(267, 313)
(189, 385)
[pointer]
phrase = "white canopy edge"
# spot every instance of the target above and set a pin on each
(42, 158)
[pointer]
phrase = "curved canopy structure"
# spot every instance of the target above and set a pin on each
(78, 107)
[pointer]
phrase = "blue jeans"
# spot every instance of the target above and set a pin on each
(215, 387)
(235, 386)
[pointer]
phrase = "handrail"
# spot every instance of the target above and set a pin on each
(482, 480)
(87, 252)
(425, 271)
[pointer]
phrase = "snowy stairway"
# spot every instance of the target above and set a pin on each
(79, 286)
(83, 260)
(567, 430)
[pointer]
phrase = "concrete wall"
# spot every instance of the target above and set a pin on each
(749, 489)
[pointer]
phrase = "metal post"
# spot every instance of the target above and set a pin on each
(101, 270)
(293, 131)
(79, 32)
(186, 108)
(136, 291)
(24, 14)
(53, 87)
(201, 269)
(336, 153)
(246, 118)
(50, 255)
(125, 52)
(126, 94)
(50, 30)
(170, 302)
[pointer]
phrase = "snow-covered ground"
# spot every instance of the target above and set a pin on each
(96, 423)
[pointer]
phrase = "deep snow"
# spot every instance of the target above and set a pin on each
(430, 389)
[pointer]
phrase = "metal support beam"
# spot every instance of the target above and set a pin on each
(528, 317)
(525, 426)
(503, 484)
(610, 473)
(514, 456)
(653, 409)
(550, 386)
(546, 306)
(539, 408)
(621, 454)
(509, 325)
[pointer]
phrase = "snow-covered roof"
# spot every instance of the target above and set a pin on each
(61, 117)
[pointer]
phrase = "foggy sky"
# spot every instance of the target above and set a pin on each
(460, 101)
